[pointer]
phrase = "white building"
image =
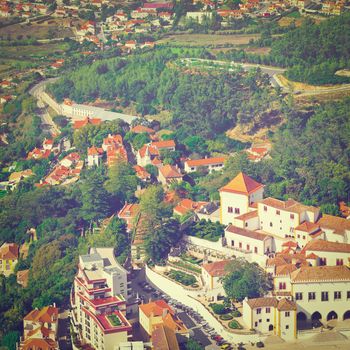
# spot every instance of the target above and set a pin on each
(271, 316)
(321, 292)
(209, 164)
(94, 157)
(329, 253)
(212, 274)
(335, 229)
(237, 197)
(98, 300)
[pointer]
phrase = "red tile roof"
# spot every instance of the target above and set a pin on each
(94, 151)
(242, 183)
(262, 302)
(319, 245)
(9, 251)
(164, 144)
(320, 274)
(46, 314)
(205, 161)
(247, 233)
(339, 225)
(308, 227)
(156, 308)
(217, 268)
(139, 129)
(81, 123)
(170, 171)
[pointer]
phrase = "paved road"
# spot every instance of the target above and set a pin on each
(63, 334)
(191, 323)
(46, 119)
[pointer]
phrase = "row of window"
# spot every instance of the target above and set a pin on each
(230, 210)
(268, 310)
(278, 212)
(240, 246)
(324, 295)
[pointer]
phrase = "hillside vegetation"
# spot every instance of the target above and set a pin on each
(312, 53)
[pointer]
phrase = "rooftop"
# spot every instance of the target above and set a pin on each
(247, 233)
(339, 225)
(156, 308)
(170, 171)
(217, 268)
(243, 184)
(288, 205)
(320, 245)
(205, 161)
(9, 251)
(320, 274)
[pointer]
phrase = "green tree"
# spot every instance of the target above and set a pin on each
(244, 279)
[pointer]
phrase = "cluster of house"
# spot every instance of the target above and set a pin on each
(22, 9)
(102, 305)
(7, 84)
(45, 151)
(66, 171)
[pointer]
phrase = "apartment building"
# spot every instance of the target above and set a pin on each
(40, 329)
(98, 300)
(271, 316)
(209, 164)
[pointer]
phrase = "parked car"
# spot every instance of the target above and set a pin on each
(260, 344)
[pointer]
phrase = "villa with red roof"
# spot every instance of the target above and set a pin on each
(98, 300)
(187, 205)
(9, 254)
(169, 174)
(147, 153)
(129, 213)
(210, 164)
(94, 157)
(40, 329)
(78, 124)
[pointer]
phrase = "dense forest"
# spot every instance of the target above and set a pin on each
(312, 53)
(218, 100)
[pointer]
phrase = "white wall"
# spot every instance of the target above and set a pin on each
(234, 200)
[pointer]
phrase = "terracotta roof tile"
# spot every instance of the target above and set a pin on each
(139, 129)
(9, 251)
(169, 171)
(321, 273)
(248, 233)
(156, 308)
(339, 225)
(242, 183)
(216, 268)
(247, 216)
(164, 144)
(205, 161)
(286, 305)
(262, 302)
(320, 245)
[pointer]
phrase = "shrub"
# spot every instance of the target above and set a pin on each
(234, 325)
(218, 309)
(226, 317)
(236, 313)
(182, 277)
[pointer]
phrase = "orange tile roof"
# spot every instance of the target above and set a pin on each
(290, 244)
(312, 256)
(308, 227)
(39, 344)
(320, 274)
(205, 161)
(156, 308)
(262, 302)
(164, 338)
(152, 151)
(319, 245)
(217, 268)
(242, 183)
(276, 261)
(81, 123)
(46, 314)
(139, 129)
(95, 151)
(248, 233)
(22, 277)
(164, 144)
(247, 216)
(129, 211)
(285, 270)
(339, 225)
(9, 251)
(286, 305)
(170, 171)
(289, 205)
(141, 172)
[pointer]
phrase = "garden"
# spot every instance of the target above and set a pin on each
(182, 277)
(114, 320)
(226, 314)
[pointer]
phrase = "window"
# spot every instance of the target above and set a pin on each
(324, 296)
(271, 224)
(291, 216)
(348, 294)
(298, 236)
(260, 320)
(267, 320)
(237, 210)
(246, 224)
(339, 262)
(258, 311)
(337, 295)
(312, 295)
(248, 247)
(287, 313)
(232, 243)
(323, 261)
(303, 237)
(230, 210)
(255, 250)
(291, 229)
(283, 285)
(299, 296)
(265, 208)
(256, 324)
(240, 244)
(278, 212)
(287, 326)
(268, 310)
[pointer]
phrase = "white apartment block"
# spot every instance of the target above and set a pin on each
(271, 316)
(98, 300)
(209, 164)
